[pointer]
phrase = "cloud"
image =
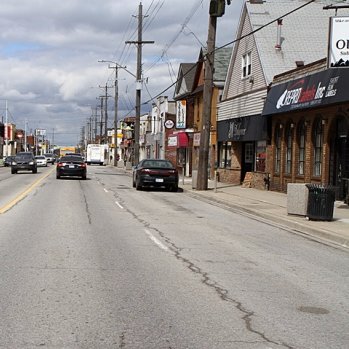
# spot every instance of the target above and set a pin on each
(49, 55)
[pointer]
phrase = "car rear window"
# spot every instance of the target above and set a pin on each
(71, 159)
(157, 164)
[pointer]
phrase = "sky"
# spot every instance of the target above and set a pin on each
(51, 77)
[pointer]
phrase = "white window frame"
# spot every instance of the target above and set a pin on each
(246, 65)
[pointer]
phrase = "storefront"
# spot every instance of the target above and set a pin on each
(178, 150)
(242, 146)
(310, 130)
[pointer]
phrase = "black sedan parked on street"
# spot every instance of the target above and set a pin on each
(155, 173)
(72, 166)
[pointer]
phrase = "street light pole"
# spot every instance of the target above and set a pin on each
(116, 102)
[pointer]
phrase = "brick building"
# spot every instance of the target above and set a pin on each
(309, 112)
(273, 37)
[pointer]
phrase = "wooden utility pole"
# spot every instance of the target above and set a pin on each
(139, 44)
(202, 180)
(217, 9)
(106, 115)
(116, 98)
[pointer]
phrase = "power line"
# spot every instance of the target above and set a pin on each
(233, 42)
(167, 47)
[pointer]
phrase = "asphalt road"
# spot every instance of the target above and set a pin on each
(97, 264)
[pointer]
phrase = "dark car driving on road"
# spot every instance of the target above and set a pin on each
(155, 173)
(24, 161)
(72, 166)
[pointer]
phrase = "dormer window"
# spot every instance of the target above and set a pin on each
(246, 65)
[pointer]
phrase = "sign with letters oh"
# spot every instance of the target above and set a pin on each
(338, 47)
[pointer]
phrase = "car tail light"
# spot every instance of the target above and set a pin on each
(60, 164)
(145, 171)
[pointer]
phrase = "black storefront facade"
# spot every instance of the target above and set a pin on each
(309, 118)
(242, 144)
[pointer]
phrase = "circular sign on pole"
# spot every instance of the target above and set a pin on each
(169, 124)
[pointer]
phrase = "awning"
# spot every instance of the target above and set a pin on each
(244, 129)
(182, 140)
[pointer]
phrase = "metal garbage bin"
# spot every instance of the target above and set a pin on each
(320, 202)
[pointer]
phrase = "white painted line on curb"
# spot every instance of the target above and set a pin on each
(119, 205)
(156, 241)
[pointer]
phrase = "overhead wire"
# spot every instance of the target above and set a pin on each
(233, 42)
(176, 36)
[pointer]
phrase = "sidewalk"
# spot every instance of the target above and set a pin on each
(271, 207)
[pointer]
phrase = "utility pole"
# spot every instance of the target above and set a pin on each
(25, 134)
(101, 121)
(217, 8)
(106, 115)
(6, 129)
(139, 44)
(116, 98)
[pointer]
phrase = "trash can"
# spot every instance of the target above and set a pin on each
(320, 202)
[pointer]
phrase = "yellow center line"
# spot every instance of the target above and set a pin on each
(23, 194)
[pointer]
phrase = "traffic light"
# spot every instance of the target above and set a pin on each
(217, 7)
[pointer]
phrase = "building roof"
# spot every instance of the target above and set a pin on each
(304, 32)
(221, 63)
(185, 80)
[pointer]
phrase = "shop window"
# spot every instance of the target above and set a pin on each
(225, 155)
(278, 130)
(261, 156)
(317, 145)
(301, 149)
(246, 65)
(288, 162)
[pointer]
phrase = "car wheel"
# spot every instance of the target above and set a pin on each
(133, 183)
(84, 177)
(58, 176)
(174, 188)
(13, 171)
(35, 170)
(138, 185)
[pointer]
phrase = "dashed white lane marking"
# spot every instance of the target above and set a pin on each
(105, 190)
(156, 241)
(119, 205)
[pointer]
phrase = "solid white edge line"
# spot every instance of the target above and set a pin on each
(119, 205)
(156, 241)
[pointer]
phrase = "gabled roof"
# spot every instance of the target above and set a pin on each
(221, 63)
(185, 80)
(304, 33)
